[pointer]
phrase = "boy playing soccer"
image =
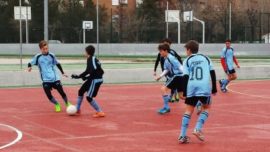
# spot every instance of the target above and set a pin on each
(92, 83)
(174, 93)
(227, 59)
(172, 69)
(46, 62)
(197, 71)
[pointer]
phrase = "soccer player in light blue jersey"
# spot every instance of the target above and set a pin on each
(47, 62)
(227, 60)
(198, 70)
(174, 70)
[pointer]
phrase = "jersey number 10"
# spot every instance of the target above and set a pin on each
(197, 72)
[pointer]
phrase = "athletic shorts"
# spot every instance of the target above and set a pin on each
(230, 71)
(92, 86)
(51, 85)
(175, 83)
(194, 100)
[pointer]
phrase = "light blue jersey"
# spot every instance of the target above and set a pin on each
(228, 54)
(46, 64)
(173, 66)
(198, 68)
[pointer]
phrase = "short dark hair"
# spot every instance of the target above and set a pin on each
(166, 40)
(193, 46)
(165, 47)
(42, 44)
(228, 40)
(90, 50)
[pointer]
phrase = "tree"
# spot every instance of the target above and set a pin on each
(151, 26)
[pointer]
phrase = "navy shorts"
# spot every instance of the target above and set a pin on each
(205, 100)
(232, 71)
(91, 86)
(175, 83)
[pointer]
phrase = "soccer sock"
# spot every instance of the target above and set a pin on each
(65, 99)
(166, 99)
(201, 120)
(94, 104)
(79, 102)
(185, 122)
(225, 82)
(53, 101)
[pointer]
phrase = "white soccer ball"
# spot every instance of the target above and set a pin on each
(71, 110)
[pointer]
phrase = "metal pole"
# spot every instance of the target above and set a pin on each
(97, 29)
(268, 28)
(230, 19)
(179, 29)
(167, 23)
(26, 26)
(203, 28)
(21, 33)
(83, 36)
(46, 35)
(111, 26)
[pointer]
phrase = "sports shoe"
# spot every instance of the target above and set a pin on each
(57, 107)
(164, 110)
(78, 112)
(68, 104)
(183, 140)
(220, 84)
(99, 114)
(198, 134)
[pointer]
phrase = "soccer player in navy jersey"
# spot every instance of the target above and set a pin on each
(46, 62)
(93, 80)
(227, 59)
(174, 71)
(174, 93)
(198, 70)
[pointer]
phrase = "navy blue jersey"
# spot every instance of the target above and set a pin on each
(198, 68)
(93, 69)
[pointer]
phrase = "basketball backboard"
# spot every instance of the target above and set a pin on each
(188, 16)
(172, 15)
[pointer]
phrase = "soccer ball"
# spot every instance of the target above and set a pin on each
(71, 110)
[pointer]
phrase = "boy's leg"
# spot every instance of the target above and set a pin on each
(166, 98)
(82, 90)
(206, 101)
(47, 89)
(185, 122)
(92, 92)
(58, 86)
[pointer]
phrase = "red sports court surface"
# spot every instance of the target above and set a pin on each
(238, 122)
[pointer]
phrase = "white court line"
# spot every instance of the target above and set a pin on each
(246, 94)
(19, 136)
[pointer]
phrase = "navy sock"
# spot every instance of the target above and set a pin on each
(184, 126)
(53, 101)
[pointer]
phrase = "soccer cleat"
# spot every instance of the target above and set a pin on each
(57, 107)
(68, 103)
(183, 140)
(198, 134)
(78, 112)
(99, 114)
(164, 110)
